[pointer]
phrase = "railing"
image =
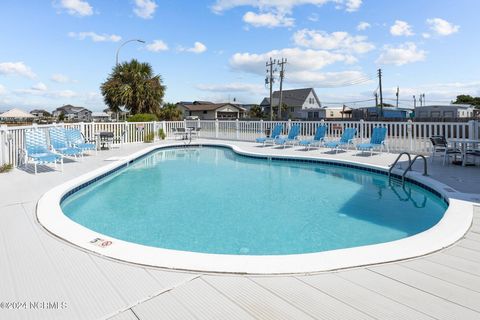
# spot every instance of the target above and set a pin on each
(401, 136)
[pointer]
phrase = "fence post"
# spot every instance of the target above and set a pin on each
(126, 135)
(164, 128)
(82, 127)
(216, 128)
(289, 124)
(237, 128)
(262, 126)
(362, 131)
(199, 123)
(3, 146)
(471, 129)
(410, 133)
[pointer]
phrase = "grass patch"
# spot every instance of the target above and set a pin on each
(6, 167)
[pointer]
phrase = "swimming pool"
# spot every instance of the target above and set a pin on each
(211, 200)
(272, 213)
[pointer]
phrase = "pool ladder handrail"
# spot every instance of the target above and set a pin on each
(425, 170)
(396, 161)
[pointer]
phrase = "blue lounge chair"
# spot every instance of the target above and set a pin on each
(291, 138)
(377, 140)
(345, 140)
(276, 132)
(59, 143)
(76, 139)
(317, 140)
(36, 149)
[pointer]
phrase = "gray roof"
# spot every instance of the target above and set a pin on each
(292, 98)
(68, 109)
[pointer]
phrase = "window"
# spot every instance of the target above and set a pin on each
(435, 114)
(331, 113)
(205, 111)
(315, 115)
(292, 109)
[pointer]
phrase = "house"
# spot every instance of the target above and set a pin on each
(206, 110)
(100, 117)
(72, 113)
(373, 113)
(337, 112)
(298, 104)
(451, 111)
(40, 113)
(121, 115)
(15, 116)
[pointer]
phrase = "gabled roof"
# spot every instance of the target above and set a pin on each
(16, 114)
(71, 109)
(292, 98)
(209, 107)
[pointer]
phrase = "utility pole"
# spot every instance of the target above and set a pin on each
(269, 80)
(282, 64)
(397, 94)
(376, 98)
(424, 102)
(414, 102)
(381, 93)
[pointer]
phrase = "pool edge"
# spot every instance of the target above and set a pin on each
(452, 227)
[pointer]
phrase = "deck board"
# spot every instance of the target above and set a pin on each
(446, 290)
(164, 307)
(314, 302)
(417, 299)
(370, 302)
(256, 300)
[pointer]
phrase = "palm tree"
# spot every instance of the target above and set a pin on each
(170, 112)
(133, 85)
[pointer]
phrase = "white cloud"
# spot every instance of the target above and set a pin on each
(353, 5)
(332, 41)
(3, 90)
(326, 79)
(40, 87)
(95, 37)
(401, 28)
(274, 13)
(145, 8)
(76, 7)
(63, 94)
(403, 54)
(268, 19)
(426, 35)
(198, 47)
(60, 78)
(282, 5)
(362, 26)
(16, 68)
(298, 60)
(157, 46)
(233, 87)
(442, 27)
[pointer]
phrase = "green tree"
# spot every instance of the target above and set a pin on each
(170, 112)
(255, 112)
(467, 99)
(133, 85)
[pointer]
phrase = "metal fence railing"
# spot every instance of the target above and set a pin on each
(402, 136)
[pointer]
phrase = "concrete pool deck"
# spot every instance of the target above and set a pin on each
(36, 267)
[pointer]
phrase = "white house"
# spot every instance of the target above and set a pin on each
(205, 110)
(72, 113)
(450, 111)
(299, 103)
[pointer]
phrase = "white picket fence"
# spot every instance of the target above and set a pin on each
(402, 136)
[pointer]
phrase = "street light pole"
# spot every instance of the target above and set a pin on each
(118, 50)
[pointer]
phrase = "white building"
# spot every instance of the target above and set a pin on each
(450, 111)
(298, 103)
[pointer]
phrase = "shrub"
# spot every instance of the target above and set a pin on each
(149, 137)
(161, 134)
(142, 117)
(6, 167)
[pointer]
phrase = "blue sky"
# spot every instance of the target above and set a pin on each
(59, 52)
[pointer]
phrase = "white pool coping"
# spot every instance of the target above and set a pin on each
(452, 227)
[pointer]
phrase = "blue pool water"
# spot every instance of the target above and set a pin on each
(212, 200)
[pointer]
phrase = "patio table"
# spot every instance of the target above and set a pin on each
(462, 144)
